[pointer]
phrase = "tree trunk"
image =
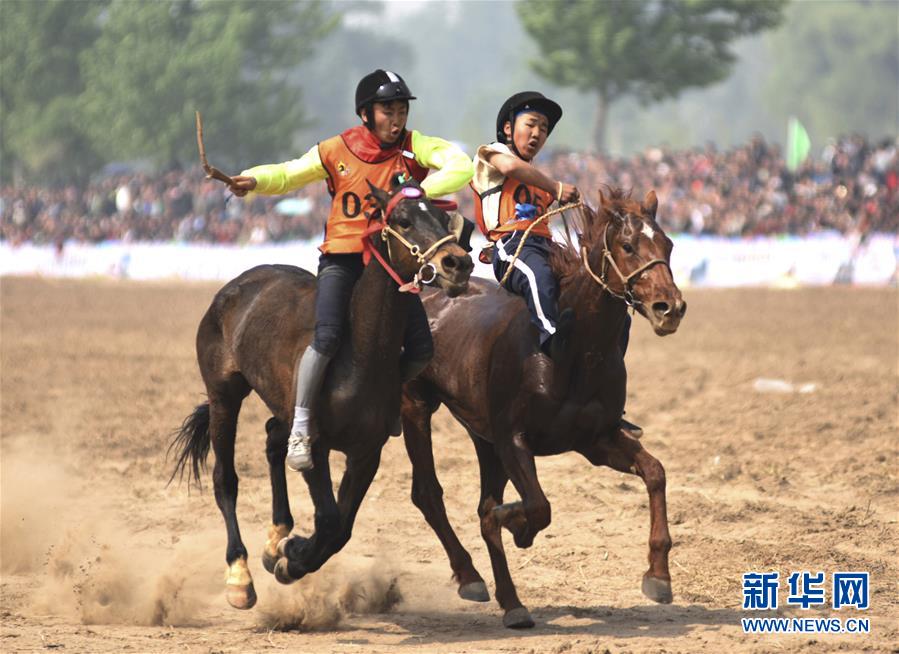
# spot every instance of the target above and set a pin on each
(599, 127)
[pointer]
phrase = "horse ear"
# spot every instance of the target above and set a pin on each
(380, 196)
(651, 203)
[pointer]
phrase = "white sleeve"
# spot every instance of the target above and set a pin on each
(488, 178)
(485, 175)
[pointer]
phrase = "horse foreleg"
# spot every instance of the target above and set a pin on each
(282, 520)
(427, 495)
(359, 473)
(297, 552)
(333, 529)
(222, 433)
(493, 482)
(626, 454)
(525, 520)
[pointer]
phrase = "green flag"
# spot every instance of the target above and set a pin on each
(798, 144)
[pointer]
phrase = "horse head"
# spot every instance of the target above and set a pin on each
(421, 237)
(628, 254)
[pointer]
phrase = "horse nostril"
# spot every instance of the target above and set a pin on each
(450, 262)
(682, 309)
(661, 308)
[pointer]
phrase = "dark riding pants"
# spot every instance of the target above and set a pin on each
(337, 275)
(533, 279)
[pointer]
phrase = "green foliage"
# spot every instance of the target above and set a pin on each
(40, 131)
(840, 66)
(651, 50)
(155, 63)
(108, 80)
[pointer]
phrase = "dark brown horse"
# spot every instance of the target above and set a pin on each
(484, 370)
(250, 339)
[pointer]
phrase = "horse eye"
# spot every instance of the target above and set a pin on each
(627, 248)
(404, 223)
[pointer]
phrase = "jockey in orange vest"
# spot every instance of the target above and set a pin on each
(376, 150)
(510, 193)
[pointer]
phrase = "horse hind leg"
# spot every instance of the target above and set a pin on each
(626, 454)
(224, 407)
(493, 482)
(282, 520)
(527, 518)
(427, 494)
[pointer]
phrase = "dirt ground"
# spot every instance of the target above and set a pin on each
(99, 555)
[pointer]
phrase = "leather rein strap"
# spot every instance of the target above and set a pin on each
(428, 271)
(626, 280)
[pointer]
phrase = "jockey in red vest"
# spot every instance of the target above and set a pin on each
(376, 150)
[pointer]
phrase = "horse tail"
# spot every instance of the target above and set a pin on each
(191, 444)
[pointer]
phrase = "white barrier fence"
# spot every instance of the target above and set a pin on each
(696, 261)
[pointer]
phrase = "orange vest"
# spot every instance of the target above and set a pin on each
(347, 175)
(513, 192)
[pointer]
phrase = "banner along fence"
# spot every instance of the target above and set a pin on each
(699, 261)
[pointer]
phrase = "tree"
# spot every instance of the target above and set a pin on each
(652, 49)
(41, 135)
(843, 67)
(155, 63)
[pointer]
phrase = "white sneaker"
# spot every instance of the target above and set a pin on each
(299, 453)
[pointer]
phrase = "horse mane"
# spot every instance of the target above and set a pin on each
(589, 223)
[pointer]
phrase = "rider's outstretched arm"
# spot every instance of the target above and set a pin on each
(453, 167)
(280, 178)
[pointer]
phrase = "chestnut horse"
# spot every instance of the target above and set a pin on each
(483, 370)
(249, 340)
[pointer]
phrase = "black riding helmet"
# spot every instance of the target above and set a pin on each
(522, 102)
(381, 86)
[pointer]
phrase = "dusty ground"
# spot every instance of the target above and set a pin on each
(99, 555)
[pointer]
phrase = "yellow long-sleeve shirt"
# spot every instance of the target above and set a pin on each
(453, 169)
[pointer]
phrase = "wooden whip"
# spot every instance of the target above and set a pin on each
(211, 171)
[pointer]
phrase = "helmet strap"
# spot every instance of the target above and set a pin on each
(511, 137)
(368, 110)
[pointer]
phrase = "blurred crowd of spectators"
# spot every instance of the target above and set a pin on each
(852, 186)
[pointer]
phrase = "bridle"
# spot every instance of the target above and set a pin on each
(427, 273)
(627, 281)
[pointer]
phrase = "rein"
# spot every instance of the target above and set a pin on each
(527, 233)
(427, 273)
(626, 280)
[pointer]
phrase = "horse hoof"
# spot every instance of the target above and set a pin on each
(269, 561)
(282, 574)
(523, 539)
(658, 590)
(282, 546)
(476, 591)
(518, 618)
(241, 597)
